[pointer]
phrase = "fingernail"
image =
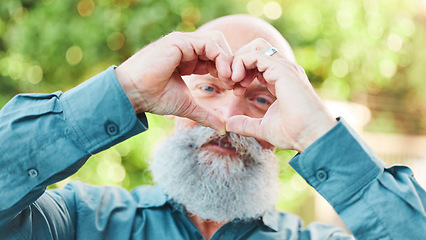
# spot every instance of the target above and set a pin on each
(221, 132)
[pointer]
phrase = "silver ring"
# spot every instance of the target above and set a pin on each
(271, 51)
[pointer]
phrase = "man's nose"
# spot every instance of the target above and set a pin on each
(232, 106)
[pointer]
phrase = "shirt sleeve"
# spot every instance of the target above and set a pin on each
(373, 201)
(47, 137)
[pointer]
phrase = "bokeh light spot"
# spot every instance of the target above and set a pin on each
(190, 17)
(349, 50)
(255, 8)
(387, 68)
(371, 6)
(35, 74)
(74, 55)
(308, 58)
(298, 184)
(408, 27)
(115, 41)
(116, 173)
(15, 66)
(335, 88)
(323, 48)
(85, 7)
(312, 17)
(394, 42)
(20, 15)
(345, 18)
(375, 30)
(340, 68)
(272, 10)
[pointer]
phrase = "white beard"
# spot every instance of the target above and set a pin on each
(217, 187)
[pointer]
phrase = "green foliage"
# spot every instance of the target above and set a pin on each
(125, 164)
(367, 51)
(49, 45)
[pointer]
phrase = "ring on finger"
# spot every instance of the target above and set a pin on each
(271, 51)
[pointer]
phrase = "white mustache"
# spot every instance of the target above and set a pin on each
(242, 145)
(215, 186)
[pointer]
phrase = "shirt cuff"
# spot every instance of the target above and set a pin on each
(99, 114)
(338, 164)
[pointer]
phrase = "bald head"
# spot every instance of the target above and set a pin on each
(242, 29)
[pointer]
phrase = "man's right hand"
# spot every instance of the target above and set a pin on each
(152, 78)
(297, 118)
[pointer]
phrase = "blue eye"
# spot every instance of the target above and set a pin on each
(261, 100)
(208, 88)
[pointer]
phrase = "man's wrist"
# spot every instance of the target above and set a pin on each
(105, 120)
(314, 132)
(131, 92)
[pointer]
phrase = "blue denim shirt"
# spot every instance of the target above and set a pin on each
(47, 137)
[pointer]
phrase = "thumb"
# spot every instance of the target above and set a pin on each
(207, 118)
(243, 125)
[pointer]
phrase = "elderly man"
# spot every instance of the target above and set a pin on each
(234, 74)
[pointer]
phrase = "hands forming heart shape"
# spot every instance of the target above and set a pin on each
(152, 79)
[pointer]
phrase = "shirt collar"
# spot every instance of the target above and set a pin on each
(271, 219)
(157, 198)
(150, 196)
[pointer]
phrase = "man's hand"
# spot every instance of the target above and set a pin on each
(152, 78)
(297, 118)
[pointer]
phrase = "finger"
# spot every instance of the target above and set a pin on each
(218, 37)
(205, 117)
(261, 79)
(215, 48)
(228, 83)
(205, 67)
(245, 126)
(238, 70)
(222, 67)
(258, 44)
(262, 63)
(206, 46)
(209, 67)
(245, 68)
(239, 90)
(250, 76)
(212, 69)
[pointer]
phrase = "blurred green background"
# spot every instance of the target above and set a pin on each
(365, 51)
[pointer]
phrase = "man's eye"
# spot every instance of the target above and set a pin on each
(261, 100)
(208, 88)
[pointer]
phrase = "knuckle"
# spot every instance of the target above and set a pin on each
(212, 36)
(218, 35)
(244, 124)
(260, 43)
(175, 36)
(259, 40)
(300, 69)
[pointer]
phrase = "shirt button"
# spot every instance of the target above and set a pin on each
(111, 128)
(32, 172)
(321, 175)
